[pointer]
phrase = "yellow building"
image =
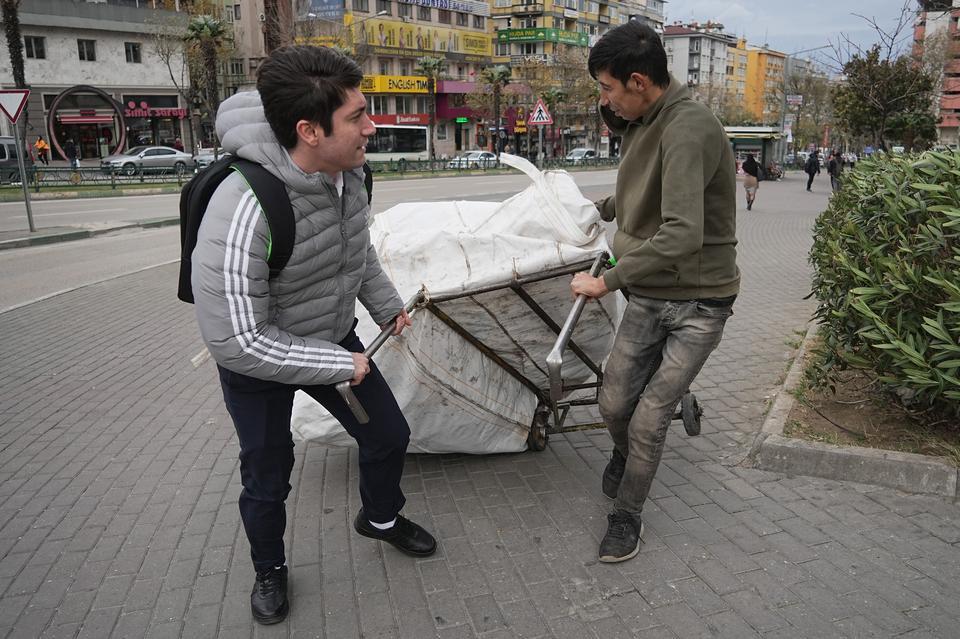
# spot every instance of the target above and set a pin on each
(736, 80)
(764, 88)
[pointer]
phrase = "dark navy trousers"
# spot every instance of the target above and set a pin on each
(261, 412)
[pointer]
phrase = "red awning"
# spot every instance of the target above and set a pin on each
(85, 119)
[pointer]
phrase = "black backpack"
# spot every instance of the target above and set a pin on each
(271, 194)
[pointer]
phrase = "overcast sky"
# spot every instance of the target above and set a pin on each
(793, 25)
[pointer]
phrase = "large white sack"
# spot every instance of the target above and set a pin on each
(455, 398)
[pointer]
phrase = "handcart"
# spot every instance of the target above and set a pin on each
(570, 367)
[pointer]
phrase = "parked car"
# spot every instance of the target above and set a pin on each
(473, 160)
(205, 157)
(148, 159)
(577, 156)
(9, 167)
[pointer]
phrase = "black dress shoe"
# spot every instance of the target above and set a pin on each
(404, 535)
(268, 601)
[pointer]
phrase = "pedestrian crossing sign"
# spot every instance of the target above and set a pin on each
(540, 115)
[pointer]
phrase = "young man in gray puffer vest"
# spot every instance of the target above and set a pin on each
(307, 125)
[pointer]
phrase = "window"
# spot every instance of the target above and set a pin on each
(442, 131)
(378, 104)
(132, 49)
(87, 50)
(529, 48)
(405, 67)
(236, 66)
(33, 47)
(403, 104)
(385, 5)
(404, 10)
(423, 13)
(478, 22)
(236, 12)
(386, 68)
(528, 23)
(361, 5)
(461, 19)
(503, 48)
(443, 16)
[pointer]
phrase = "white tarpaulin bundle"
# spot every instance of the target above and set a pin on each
(455, 397)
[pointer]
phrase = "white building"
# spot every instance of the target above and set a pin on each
(697, 55)
(95, 76)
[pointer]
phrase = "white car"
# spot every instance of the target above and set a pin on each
(577, 156)
(473, 160)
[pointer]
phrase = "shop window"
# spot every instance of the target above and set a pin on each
(132, 49)
(461, 19)
(378, 104)
(403, 104)
(361, 5)
(385, 5)
(443, 16)
(87, 50)
(479, 22)
(33, 47)
(423, 13)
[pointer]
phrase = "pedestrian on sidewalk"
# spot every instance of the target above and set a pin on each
(675, 250)
(812, 168)
(751, 179)
(834, 169)
(73, 155)
(42, 150)
(270, 336)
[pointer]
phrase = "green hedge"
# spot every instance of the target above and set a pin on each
(886, 256)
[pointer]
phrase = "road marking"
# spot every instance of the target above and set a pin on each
(199, 359)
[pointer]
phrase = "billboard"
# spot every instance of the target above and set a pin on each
(419, 40)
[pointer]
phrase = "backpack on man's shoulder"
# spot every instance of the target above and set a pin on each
(271, 194)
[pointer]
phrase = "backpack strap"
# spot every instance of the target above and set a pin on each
(272, 196)
(368, 182)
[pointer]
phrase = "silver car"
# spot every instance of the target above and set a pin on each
(148, 159)
(473, 160)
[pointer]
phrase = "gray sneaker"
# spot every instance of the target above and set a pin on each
(613, 473)
(623, 538)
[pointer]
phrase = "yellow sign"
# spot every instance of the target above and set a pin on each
(394, 84)
(418, 40)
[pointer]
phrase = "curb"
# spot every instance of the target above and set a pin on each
(82, 234)
(908, 472)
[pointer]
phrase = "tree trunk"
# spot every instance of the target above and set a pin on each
(496, 119)
(11, 26)
(210, 80)
(432, 88)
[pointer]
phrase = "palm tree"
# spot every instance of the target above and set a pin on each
(11, 27)
(497, 77)
(432, 68)
(207, 37)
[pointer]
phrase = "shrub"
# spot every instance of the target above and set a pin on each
(886, 256)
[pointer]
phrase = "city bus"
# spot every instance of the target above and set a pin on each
(393, 142)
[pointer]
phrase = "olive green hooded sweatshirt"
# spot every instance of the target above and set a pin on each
(675, 203)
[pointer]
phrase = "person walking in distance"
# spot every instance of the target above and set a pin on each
(73, 155)
(675, 249)
(306, 124)
(43, 149)
(751, 179)
(834, 169)
(812, 168)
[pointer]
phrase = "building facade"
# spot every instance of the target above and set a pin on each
(95, 76)
(936, 33)
(763, 93)
(697, 55)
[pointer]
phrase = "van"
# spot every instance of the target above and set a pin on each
(9, 167)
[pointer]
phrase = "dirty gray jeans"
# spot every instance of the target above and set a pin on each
(659, 349)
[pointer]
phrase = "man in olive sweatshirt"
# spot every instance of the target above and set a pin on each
(675, 250)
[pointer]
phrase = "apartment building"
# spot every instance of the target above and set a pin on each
(936, 33)
(763, 92)
(95, 76)
(736, 76)
(697, 54)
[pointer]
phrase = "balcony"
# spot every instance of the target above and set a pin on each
(526, 9)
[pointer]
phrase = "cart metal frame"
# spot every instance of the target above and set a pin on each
(551, 407)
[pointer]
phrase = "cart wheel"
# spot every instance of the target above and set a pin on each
(537, 439)
(690, 412)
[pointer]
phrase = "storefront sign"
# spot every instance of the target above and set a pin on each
(146, 111)
(543, 35)
(394, 84)
(464, 6)
(401, 119)
(396, 38)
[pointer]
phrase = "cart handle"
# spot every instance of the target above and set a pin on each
(555, 358)
(344, 387)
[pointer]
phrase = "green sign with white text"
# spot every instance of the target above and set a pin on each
(543, 35)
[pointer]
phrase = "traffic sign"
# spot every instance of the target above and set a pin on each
(540, 115)
(12, 102)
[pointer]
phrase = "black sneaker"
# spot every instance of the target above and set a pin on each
(749, 205)
(404, 535)
(613, 473)
(623, 538)
(268, 601)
